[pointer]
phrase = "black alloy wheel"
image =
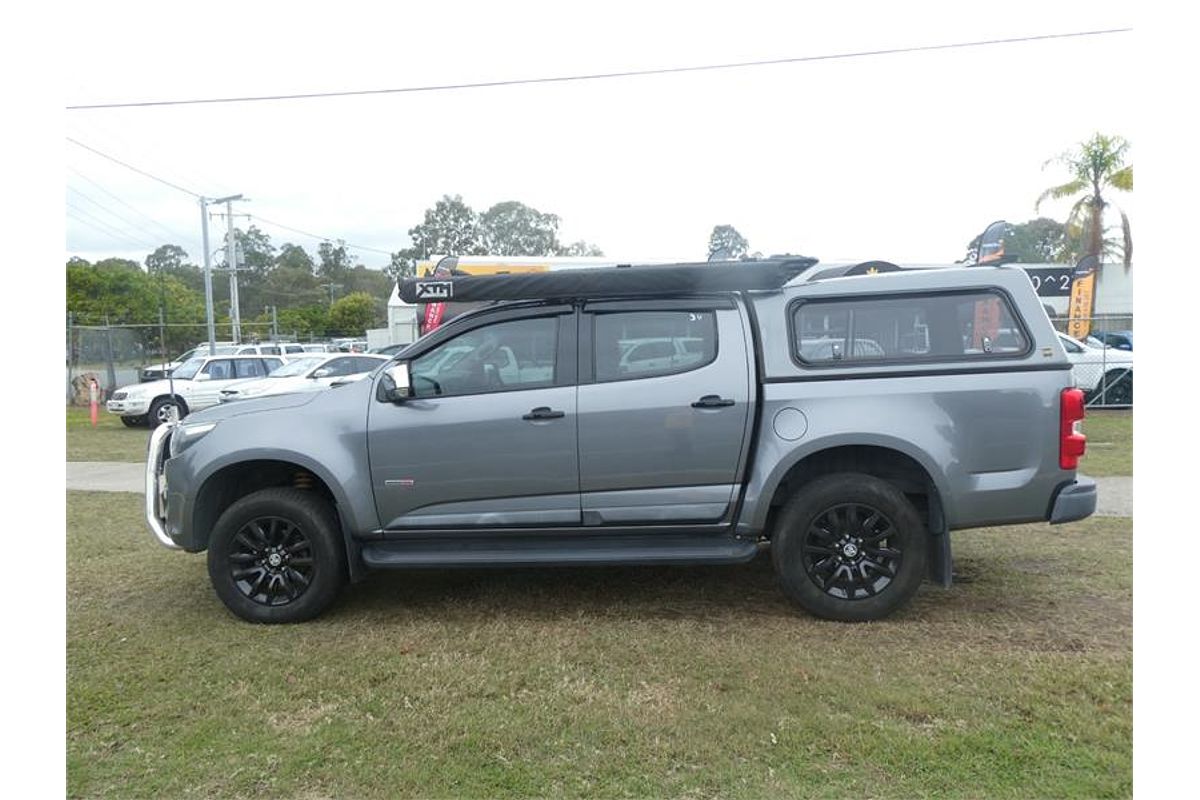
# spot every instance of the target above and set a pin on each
(271, 561)
(848, 551)
(850, 547)
(277, 555)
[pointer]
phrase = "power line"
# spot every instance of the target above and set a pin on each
(135, 169)
(193, 194)
(112, 229)
(601, 75)
(318, 236)
(171, 231)
(109, 232)
(133, 225)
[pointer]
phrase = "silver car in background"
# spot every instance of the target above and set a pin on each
(310, 372)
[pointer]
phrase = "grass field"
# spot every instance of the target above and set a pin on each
(1110, 441)
(620, 682)
(110, 440)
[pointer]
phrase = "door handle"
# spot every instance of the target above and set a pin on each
(712, 401)
(544, 412)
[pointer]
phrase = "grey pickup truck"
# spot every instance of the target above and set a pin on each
(680, 414)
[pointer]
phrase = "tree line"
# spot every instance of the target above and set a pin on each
(312, 295)
(451, 227)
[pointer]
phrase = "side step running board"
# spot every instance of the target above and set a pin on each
(590, 550)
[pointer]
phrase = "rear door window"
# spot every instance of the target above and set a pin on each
(249, 368)
(643, 344)
(910, 328)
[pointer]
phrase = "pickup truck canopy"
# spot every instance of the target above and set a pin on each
(624, 280)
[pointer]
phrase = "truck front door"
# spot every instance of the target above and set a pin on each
(489, 440)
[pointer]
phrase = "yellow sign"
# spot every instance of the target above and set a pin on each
(492, 268)
(1079, 312)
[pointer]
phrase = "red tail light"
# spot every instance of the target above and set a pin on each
(1071, 443)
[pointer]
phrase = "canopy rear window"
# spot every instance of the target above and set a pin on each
(950, 326)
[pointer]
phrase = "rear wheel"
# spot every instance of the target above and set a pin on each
(849, 547)
(276, 556)
(134, 422)
(1116, 389)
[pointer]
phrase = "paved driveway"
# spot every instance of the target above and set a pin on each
(106, 476)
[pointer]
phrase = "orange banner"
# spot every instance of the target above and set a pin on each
(1083, 300)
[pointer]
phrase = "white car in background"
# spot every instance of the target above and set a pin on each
(196, 384)
(1104, 373)
(310, 372)
(152, 372)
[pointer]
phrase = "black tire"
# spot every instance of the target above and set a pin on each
(299, 527)
(1117, 389)
(134, 422)
(160, 407)
(826, 535)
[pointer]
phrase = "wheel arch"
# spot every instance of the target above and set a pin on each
(905, 467)
(179, 399)
(227, 483)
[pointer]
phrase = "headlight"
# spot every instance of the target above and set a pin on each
(185, 435)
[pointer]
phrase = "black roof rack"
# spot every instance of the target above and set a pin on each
(624, 280)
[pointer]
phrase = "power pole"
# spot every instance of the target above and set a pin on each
(274, 324)
(235, 314)
(208, 299)
(208, 303)
(331, 287)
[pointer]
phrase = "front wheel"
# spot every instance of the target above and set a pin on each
(276, 556)
(849, 547)
(164, 410)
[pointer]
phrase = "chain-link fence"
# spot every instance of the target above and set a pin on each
(1101, 353)
(115, 355)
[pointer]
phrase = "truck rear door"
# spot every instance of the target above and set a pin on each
(664, 410)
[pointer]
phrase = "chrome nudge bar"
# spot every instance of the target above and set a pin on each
(155, 490)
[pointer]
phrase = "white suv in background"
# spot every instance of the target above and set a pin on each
(197, 384)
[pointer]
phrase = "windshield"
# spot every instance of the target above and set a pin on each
(202, 350)
(188, 369)
(297, 367)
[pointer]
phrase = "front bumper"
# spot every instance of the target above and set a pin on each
(1074, 500)
(129, 407)
(156, 486)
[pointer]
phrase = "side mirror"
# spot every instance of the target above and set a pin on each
(395, 385)
(323, 372)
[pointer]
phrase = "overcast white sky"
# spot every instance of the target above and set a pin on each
(901, 157)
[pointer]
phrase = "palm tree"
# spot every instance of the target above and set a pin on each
(1096, 164)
